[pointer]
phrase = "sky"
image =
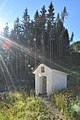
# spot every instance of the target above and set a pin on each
(11, 9)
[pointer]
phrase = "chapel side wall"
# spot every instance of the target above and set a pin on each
(59, 80)
(53, 81)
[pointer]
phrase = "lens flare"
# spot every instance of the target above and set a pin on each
(7, 45)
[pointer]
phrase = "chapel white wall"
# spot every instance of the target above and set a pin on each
(59, 80)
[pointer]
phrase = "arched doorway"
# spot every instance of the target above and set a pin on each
(44, 84)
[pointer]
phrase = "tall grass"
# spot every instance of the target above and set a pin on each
(20, 106)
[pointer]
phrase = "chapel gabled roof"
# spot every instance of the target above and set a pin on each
(53, 65)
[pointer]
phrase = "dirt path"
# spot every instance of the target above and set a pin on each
(58, 115)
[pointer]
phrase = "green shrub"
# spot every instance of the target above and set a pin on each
(62, 100)
(69, 106)
(16, 108)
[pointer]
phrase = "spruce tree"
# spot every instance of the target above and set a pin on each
(37, 29)
(43, 29)
(50, 25)
(6, 31)
(64, 14)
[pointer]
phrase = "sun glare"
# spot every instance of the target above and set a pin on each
(6, 45)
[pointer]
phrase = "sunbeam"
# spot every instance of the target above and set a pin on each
(7, 71)
(3, 5)
(30, 53)
(4, 77)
